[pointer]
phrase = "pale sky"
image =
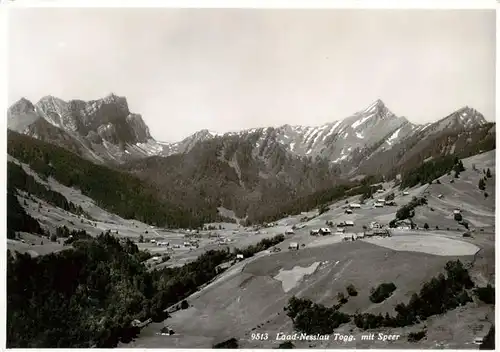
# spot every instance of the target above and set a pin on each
(226, 70)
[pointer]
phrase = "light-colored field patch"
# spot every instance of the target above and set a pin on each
(426, 244)
(325, 241)
(290, 278)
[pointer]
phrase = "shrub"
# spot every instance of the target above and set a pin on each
(488, 173)
(341, 298)
(287, 344)
(323, 209)
(312, 318)
(382, 292)
(351, 290)
(416, 336)
(426, 226)
(486, 294)
(485, 194)
(184, 304)
(458, 217)
(231, 343)
(481, 185)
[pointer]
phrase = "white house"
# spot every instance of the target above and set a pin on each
(456, 211)
(325, 231)
(405, 193)
(349, 223)
(380, 200)
(340, 230)
(156, 259)
(355, 205)
(314, 232)
(239, 256)
(187, 244)
(378, 205)
(289, 232)
(440, 196)
(293, 245)
(348, 211)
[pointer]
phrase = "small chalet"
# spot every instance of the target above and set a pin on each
(293, 245)
(325, 231)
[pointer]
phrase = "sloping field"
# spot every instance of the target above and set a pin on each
(253, 300)
(426, 244)
(462, 194)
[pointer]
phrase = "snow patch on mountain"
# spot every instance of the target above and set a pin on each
(332, 129)
(361, 121)
(393, 136)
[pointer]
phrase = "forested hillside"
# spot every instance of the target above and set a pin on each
(89, 295)
(118, 192)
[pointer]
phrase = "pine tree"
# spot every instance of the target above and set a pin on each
(488, 173)
(481, 185)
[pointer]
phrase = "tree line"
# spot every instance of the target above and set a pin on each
(18, 178)
(116, 191)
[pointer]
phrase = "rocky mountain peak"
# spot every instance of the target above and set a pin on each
(22, 106)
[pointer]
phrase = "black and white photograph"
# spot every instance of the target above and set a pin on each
(250, 177)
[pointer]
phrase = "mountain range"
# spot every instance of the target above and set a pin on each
(255, 170)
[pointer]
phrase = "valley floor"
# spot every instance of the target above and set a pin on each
(250, 296)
